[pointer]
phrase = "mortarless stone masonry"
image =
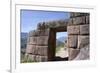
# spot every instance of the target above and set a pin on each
(41, 42)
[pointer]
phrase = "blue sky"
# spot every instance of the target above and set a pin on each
(30, 19)
(61, 34)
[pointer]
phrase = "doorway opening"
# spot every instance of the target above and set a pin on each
(61, 53)
(58, 49)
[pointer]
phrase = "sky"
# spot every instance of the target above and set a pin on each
(30, 19)
(61, 34)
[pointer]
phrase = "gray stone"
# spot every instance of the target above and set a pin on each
(42, 50)
(61, 23)
(29, 48)
(70, 21)
(73, 29)
(87, 19)
(83, 40)
(75, 14)
(84, 54)
(43, 32)
(32, 40)
(84, 29)
(42, 40)
(35, 51)
(72, 41)
(79, 20)
(33, 33)
(72, 53)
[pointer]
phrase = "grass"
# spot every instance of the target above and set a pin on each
(59, 47)
(26, 58)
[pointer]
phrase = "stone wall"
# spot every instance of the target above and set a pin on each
(41, 42)
(78, 33)
(37, 45)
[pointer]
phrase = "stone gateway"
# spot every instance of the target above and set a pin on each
(41, 42)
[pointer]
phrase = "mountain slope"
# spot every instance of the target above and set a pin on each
(62, 39)
(59, 43)
(24, 40)
(24, 35)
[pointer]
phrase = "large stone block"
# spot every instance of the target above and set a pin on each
(84, 54)
(84, 29)
(42, 40)
(32, 40)
(76, 14)
(61, 23)
(83, 40)
(30, 48)
(79, 20)
(35, 51)
(72, 41)
(87, 19)
(33, 33)
(73, 29)
(42, 50)
(70, 21)
(43, 32)
(72, 53)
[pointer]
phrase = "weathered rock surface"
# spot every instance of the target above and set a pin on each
(73, 53)
(30, 48)
(73, 29)
(83, 40)
(79, 20)
(42, 41)
(32, 40)
(84, 29)
(72, 41)
(84, 54)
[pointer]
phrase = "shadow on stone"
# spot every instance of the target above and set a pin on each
(57, 58)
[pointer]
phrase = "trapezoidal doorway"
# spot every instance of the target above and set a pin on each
(54, 47)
